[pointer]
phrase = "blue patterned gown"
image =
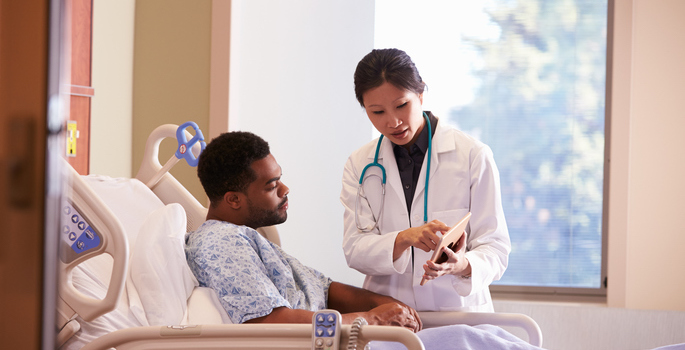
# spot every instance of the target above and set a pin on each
(250, 275)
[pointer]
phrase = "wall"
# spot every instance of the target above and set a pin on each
(112, 79)
(171, 75)
(646, 232)
(590, 327)
(656, 184)
(291, 83)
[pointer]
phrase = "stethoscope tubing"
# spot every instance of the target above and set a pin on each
(361, 194)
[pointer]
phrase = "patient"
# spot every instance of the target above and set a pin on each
(255, 280)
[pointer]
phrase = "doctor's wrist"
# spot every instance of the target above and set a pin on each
(401, 245)
(466, 273)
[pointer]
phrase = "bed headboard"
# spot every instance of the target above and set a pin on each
(168, 189)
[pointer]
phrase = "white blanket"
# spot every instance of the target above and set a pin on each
(463, 337)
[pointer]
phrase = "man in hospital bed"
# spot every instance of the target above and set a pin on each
(255, 280)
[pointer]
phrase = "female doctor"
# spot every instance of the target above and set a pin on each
(390, 233)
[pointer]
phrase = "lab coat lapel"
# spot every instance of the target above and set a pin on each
(441, 143)
(386, 157)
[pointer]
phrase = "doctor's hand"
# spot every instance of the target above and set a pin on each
(423, 237)
(456, 264)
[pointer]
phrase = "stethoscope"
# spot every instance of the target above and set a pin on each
(360, 190)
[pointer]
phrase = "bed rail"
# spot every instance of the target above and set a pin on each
(242, 336)
(87, 209)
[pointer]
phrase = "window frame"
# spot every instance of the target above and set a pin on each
(573, 293)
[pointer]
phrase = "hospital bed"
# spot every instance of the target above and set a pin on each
(125, 284)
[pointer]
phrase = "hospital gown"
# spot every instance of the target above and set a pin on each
(250, 275)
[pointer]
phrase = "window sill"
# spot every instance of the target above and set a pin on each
(553, 298)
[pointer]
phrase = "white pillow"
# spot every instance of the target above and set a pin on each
(158, 269)
(204, 307)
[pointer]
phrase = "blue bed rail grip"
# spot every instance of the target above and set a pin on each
(184, 145)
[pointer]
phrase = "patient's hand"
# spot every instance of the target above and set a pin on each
(376, 308)
(394, 314)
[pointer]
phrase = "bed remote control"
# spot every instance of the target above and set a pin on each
(326, 328)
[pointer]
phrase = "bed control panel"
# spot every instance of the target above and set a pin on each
(78, 237)
(326, 328)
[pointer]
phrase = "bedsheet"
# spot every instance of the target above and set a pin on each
(463, 337)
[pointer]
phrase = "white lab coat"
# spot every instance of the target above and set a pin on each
(463, 178)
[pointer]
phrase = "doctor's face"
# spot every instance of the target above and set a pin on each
(267, 197)
(396, 113)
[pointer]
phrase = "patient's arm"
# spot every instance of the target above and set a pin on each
(377, 309)
(285, 315)
(353, 302)
(346, 298)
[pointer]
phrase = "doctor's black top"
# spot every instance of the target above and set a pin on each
(409, 162)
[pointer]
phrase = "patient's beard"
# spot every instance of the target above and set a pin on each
(260, 217)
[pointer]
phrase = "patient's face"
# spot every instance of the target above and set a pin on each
(267, 197)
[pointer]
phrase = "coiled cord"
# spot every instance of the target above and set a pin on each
(354, 332)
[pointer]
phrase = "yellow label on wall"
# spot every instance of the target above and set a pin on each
(72, 135)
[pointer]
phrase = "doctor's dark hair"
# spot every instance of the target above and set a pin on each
(391, 65)
(225, 164)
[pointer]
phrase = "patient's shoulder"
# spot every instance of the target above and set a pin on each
(234, 239)
(222, 230)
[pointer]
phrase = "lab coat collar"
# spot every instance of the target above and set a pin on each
(443, 141)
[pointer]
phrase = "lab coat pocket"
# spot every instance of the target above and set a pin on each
(449, 217)
(475, 302)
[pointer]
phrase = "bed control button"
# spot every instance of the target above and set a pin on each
(325, 332)
(74, 218)
(90, 234)
(72, 236)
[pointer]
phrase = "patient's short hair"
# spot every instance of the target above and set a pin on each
(225, 164)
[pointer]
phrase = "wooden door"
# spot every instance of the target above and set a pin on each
(26, 295)
(78, 124)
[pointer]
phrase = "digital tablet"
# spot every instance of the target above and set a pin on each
(449, 240)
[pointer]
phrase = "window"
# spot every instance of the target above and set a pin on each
(526, 77)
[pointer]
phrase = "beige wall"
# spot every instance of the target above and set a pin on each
(656, 236)
(112, 78)
(171, 75)
(646, 231)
